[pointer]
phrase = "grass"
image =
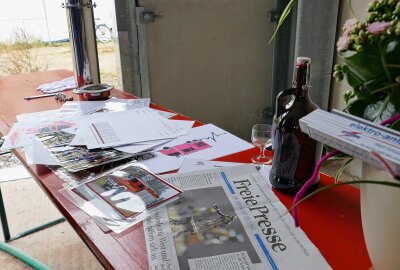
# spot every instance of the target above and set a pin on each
(109, 77)
(17, 57)
(26, 54)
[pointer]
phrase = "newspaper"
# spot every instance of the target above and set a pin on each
(229, 220)
(190, 164)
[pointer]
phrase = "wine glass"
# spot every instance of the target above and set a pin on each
(261, 137)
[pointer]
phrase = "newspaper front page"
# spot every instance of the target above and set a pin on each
(229, 220)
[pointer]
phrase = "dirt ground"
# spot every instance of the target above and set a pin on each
(60, 57)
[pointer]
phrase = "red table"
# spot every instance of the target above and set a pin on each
(331, 220)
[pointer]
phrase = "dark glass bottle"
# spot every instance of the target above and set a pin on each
(294, 153)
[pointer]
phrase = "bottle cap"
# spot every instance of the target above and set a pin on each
(301, 77)
(303, 60)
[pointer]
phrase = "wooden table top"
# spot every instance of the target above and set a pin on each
(332, 220)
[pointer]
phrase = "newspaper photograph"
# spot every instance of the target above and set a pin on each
(229, 220)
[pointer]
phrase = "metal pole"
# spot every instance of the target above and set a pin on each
(3, 217)
(47, 23)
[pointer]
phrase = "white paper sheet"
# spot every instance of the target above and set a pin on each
(189, 165)
(78, 140)
(164, 113)
(181, 125)
(140, 147)
(184, 125)
(121, 128)
(40, 155)
(117, 105)
(82, 107)
(220, 142)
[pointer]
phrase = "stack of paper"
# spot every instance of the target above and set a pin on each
(113, 129)
(105, 137)
(88, 135)
(66, 117)
(54, 149)
(354, 136)
(160, 144)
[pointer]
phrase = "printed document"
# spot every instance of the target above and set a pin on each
(228, 220)
(205, 142)
(121, 128)
(23, 131)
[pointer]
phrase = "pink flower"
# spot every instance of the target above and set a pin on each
(349, 25)
(343, 42)
(377, 27)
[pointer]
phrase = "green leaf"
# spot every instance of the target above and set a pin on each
(393, 47)
(282, 18)
(335, 159)
(376, 83)
(396, 125)
(395, 97)
(366, 65)
(352, 79)
(379, 111)
(358, 106)
(343, 168)
(392, 57)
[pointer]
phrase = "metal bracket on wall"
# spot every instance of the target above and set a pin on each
(149, 16)
(274, 15)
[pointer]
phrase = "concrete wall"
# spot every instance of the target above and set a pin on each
(360, 9)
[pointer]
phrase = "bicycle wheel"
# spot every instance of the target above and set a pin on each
(103, 33)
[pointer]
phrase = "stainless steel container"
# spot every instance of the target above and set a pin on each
(83, 41)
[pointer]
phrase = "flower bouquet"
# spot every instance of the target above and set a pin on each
(371, 63)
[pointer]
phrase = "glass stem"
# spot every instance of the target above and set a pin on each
(262, 152)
